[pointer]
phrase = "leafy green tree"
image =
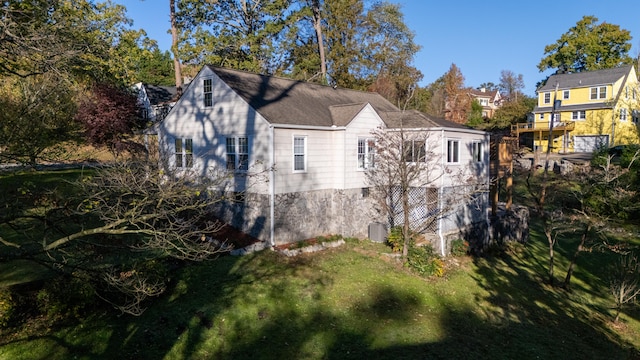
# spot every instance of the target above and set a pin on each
(136, 58)
(157, 69)
(65, 37)
(475, 118)
(489, 86)
(50, 50)
(344, 21)
(511, 112)
(37, 115)
(390, 53)
(430, 99)
(588, 46)
(241, 34)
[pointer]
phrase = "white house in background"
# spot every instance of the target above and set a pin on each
(490, 100)
(155, 101)
(297, 152)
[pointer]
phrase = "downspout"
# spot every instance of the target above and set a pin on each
(441, 193)
(488, 177)
(344, 182)
(613, 126)
(272, 188)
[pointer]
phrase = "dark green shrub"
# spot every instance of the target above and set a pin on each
(459, 247)
(424, 260)
(66, 296)
(7, 306)
(394, 239)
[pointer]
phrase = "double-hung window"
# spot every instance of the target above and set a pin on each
(453, 151)
(578, 115)
(547, 98)
(366, 153)
(184, 153)
(414, 151)
(565, 94)
(299, 153)
(599, 92)
(208, 93)
(476, 151)
(238, 153)
(623, 114)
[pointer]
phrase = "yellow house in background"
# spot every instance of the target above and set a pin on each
(592, 109)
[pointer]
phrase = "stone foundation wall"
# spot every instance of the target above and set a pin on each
(507, 226)
(300, 216)
(248, 213)
(475, 233)
(305, 215)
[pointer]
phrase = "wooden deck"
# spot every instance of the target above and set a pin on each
(539, 126)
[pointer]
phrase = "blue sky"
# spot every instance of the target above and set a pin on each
(480, 37)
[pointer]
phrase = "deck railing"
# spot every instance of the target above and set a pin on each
(542, 125)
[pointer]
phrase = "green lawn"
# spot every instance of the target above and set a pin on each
(354, 303)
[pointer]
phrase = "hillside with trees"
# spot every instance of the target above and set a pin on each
(121, 258)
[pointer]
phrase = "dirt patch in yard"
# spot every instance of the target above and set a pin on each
(236, 237)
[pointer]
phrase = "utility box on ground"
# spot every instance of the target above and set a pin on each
(377, 232)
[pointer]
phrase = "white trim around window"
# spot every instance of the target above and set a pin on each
(207, 91)
(237, 153)
(476, 151)
(366, 153)
(579, 115)
(299, 148)
(623, 114)
(453, 151)
(183, 149)
(598, 92)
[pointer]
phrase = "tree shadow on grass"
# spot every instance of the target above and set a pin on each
(256, 307)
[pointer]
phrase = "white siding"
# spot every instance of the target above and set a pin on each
(360, 127)
(229, 115)
(321, 160)
(467, 170)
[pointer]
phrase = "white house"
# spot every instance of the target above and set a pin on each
(296, 153)
(155, 101)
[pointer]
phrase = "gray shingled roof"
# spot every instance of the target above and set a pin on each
(160, 94)
(289, 102)
(413, 119)
(585, 79)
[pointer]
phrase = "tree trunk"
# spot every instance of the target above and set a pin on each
(406, 236)
(551, 253)
(174, 46)
(317, 25)
(583, 239)
(548, 222)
